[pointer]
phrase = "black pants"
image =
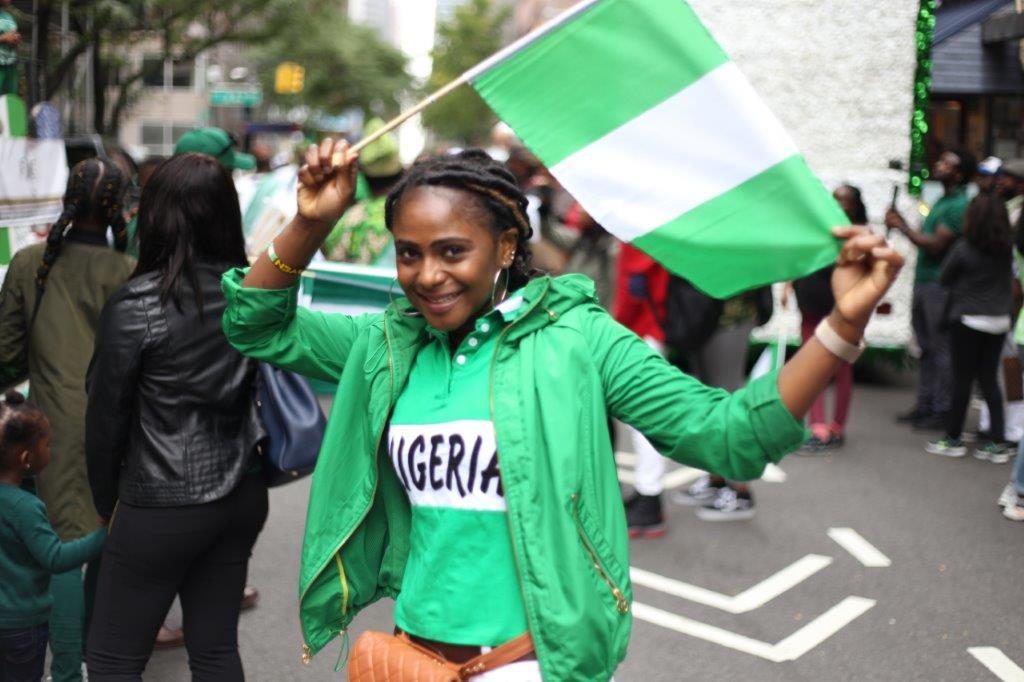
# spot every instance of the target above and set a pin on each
(200, 552)
(23, 654)
(975, 357)
(928, 319)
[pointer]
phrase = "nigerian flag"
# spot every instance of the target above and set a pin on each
(641, 116)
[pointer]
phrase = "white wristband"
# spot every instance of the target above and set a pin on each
(837, 345)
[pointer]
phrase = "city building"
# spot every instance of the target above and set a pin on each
(977, 79)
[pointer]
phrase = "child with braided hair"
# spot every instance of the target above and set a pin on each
(50, 304)
(29, 549)
(466, 470)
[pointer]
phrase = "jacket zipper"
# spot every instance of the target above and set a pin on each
(307, 652)
(621, 605)
(494, 420)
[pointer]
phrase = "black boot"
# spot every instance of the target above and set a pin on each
(644, 517)
(912, 416)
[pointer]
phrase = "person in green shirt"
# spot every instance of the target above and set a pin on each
(467, 470)
(943, 225)
(9, 39)
(30, 550)
(361, 236)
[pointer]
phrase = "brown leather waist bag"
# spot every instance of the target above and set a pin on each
(380, 657)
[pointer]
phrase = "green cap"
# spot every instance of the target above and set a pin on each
(379, 159)
(217, 143)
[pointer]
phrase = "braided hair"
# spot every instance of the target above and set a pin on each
(491, 186)
(95, 190)
(21, 424)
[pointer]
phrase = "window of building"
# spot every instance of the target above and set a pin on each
(152, 134)
(158, 137)
(176, 73)
(153, 71)
(1007, 126)
(182, 73)
(177, 130)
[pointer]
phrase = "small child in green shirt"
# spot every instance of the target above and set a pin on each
(29, 549)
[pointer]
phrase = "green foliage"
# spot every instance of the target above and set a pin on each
(473, 34)
(346, 65)
(115, 29)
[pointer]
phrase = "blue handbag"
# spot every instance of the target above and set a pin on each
(294, 423)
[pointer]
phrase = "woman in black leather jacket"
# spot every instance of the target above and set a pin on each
(171, 435)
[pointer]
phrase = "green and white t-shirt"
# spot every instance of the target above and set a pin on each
(460, 584)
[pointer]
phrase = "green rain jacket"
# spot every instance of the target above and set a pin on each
(558, 370)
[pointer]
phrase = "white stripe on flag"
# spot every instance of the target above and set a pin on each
(701, 142)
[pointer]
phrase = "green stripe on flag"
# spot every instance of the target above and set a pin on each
(597, 71)
(720, 245)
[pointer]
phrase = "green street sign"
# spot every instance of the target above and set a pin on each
(236, 98)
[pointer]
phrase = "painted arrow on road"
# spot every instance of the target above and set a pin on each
(789, 649)
(998, 663)
(747, 600)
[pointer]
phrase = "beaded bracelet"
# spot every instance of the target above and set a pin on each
(280, 264)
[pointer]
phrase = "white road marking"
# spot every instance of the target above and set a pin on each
(998, 663)
(789, 649)
(862, 550)
(708, 633)
(747, 600)
(822, 627)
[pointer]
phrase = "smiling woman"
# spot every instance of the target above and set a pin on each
(461, 238)
(467, 470)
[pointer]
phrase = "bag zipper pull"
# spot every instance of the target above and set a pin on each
(343, 654)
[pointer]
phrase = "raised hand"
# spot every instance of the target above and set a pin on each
(866, 267)
(326, 186)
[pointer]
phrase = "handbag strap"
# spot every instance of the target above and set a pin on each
(509, 652)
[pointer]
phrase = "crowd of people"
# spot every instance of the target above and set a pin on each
(967, 292)
(156, 481)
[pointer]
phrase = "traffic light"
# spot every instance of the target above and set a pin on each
(289, 78)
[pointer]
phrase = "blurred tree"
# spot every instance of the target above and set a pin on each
(346, 65)
(111, 28)
(474, 33)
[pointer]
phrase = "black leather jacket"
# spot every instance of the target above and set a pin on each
(171, 418)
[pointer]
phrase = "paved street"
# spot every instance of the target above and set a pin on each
(707, 609)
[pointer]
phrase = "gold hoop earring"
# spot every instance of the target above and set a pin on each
(391, 300)
(494, 290)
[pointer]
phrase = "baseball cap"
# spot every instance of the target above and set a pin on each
(217, 143)
(990, 166)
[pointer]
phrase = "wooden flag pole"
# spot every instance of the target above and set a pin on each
(469, 75)
(403, 117)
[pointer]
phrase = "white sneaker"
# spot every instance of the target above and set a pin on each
(947, 447)
(698, 494)
(1015, 512)
(992, 452)
(1008, 496)
(728, 506)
